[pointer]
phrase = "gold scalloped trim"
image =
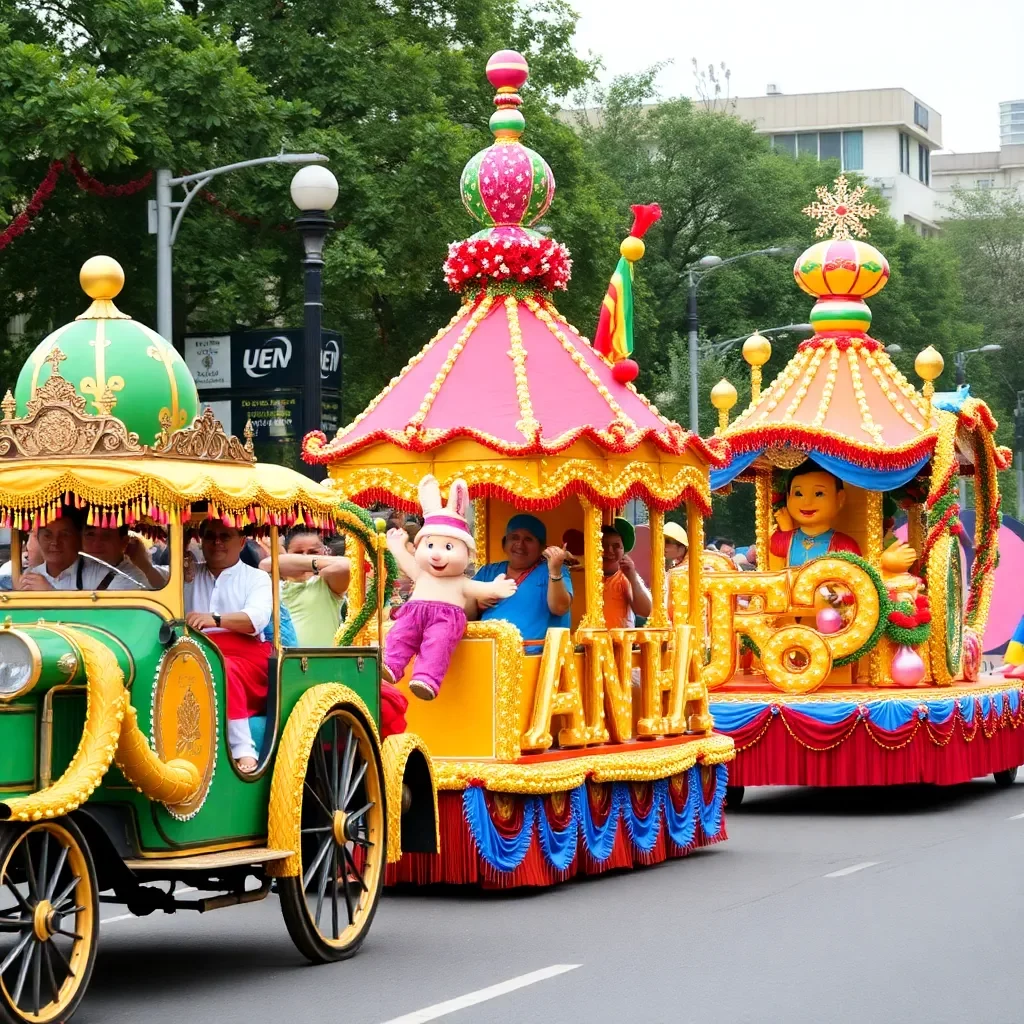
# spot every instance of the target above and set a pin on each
(644, 765)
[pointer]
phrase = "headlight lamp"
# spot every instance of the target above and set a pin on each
(20, 664)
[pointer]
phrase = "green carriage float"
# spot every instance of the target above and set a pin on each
(859, 663)
(114, 765)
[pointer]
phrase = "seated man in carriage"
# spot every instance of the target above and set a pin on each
(232, 603)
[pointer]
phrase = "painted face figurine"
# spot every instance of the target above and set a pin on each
(814, 500)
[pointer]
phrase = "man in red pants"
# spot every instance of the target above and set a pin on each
(232, 603)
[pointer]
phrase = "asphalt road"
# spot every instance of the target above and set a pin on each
(860, 906)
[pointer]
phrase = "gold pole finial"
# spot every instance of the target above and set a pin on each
(248, 434)
(723, 398)
(9, 405)
(929, 365)
(757, 350)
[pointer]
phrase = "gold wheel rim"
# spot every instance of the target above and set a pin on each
(63, 908)
(350, 829)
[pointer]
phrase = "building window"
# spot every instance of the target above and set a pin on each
(923, 163)
(846, 147)
(904, 153)
(807, 144)
(920, 116)
(831, 146)
(785, 144)
(853, 151)
(984, 183)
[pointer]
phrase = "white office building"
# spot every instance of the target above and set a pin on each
(887, 135)
(1001, 168)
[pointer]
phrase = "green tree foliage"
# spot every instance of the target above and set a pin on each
(393, 93)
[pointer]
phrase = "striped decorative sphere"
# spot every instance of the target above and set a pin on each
(840, 315)
(507, 185)
(507, 123)
(507, 69)
(844, 267)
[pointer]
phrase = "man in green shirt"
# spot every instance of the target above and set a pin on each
(314, 586)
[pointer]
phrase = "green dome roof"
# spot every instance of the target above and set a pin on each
(117, 365)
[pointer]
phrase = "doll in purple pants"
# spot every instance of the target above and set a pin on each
(429, 625)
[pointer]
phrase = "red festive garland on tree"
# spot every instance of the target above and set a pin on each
(86, 182)
(541, 262)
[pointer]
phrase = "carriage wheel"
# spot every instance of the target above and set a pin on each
(1005, 779)
(329, 905)
(48, 921)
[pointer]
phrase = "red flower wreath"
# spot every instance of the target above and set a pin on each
(540, 262)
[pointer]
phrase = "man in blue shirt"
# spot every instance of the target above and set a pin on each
(544, 592)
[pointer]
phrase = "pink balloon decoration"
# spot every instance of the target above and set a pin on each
(907, 668)
(828, 620)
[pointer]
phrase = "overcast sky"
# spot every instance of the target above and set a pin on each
(960, 58)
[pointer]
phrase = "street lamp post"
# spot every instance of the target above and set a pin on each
(960, 365)
(164, 222)
(314, 192)
(695, 275)
(1018, 460)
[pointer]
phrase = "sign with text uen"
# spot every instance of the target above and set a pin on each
(262, 359)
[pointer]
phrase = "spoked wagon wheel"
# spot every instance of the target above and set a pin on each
(48, 920)
(328, 908)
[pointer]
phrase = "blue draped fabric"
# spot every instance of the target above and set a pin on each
(643, 832)
(711, 813)
(559, 848)
(889, 715)
(503, 854)
(599, 839)
(721, 477)
(682, 825)
(858, 476)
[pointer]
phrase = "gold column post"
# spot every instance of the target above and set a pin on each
(695, 562)
(762, 516)
(757, 350)
(15, 556)
(875, 534)
(658, 618)
(480, 531)
(275, 582)
(593, 616)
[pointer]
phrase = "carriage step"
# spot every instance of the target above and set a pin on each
(209, 861)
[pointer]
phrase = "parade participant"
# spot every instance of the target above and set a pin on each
(232, 603)
(111, 545)
(544, 595)
(314, 586)
(676, 545)
(31, 555)
(433, 620)
(60, 541)
(625, 594)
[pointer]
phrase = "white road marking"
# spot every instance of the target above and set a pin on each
(1015, 817)
(851, 869)
(127, 917)
(481, 995)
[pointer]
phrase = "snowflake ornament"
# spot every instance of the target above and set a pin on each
(841, 212)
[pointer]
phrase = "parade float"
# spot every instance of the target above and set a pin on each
(548, 764)
(851, 658)
(116, 780)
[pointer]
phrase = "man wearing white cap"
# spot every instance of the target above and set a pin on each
(675, 545)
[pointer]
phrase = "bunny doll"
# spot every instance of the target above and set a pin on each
(432, 621)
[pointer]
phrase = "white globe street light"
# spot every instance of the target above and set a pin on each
(314, 187)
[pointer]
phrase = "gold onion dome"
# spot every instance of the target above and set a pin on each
(116, 364)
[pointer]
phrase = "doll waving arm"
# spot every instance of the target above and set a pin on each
(396, 541)
(497, 590)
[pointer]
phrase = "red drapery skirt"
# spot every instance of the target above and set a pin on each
(246, 660)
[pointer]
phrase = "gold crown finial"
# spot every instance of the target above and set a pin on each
(101, 278)
(841, 211)
(55, 357)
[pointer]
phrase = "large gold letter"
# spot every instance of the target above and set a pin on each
(558, 693)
